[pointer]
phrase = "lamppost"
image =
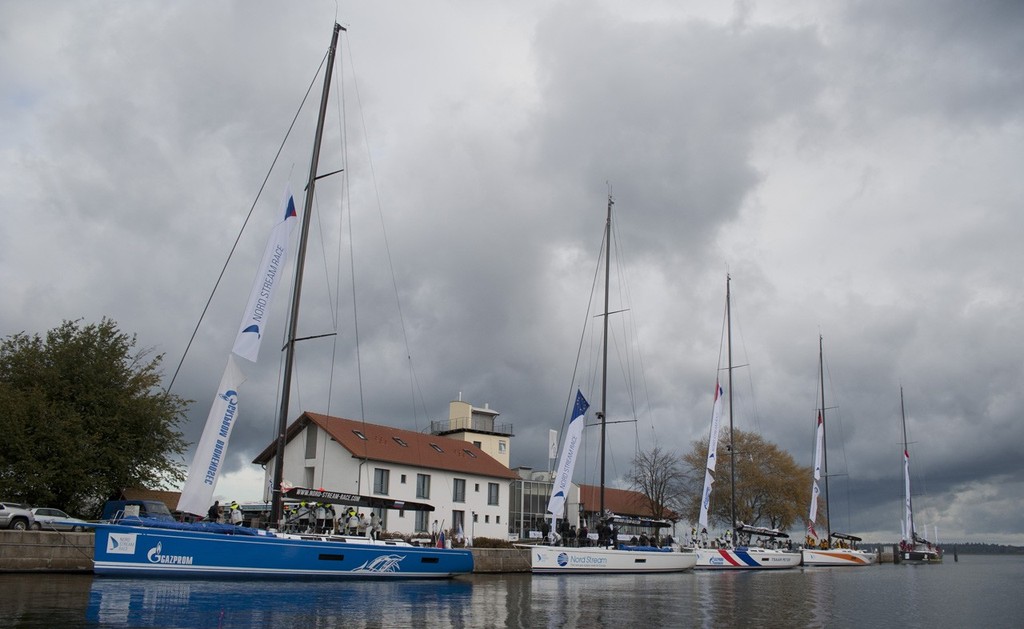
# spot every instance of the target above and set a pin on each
(472, 527)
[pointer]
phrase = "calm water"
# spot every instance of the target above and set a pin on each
(977, 591)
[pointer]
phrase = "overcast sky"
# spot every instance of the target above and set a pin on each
(855, 166)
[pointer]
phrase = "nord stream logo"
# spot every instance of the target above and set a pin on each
(121, 543)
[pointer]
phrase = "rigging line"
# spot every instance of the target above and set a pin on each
(637, 376)
(252, 208)
(583, 337)
(352, 278)
(750, 378)
(387, 246)
(334, 297)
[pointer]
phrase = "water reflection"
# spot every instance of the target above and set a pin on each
(882, 596)
(170, 603)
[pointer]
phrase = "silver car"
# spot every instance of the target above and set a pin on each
(16, 517)
(49, 519)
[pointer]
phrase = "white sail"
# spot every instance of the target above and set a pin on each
(709, 474)
(908, 524)
(197, 495)
(566, 463)
(819, 440)
(250, 332)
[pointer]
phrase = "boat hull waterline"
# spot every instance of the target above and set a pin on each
(743, 558)
(837, 557)
(919, 556)
(143, 551)
(564, 560)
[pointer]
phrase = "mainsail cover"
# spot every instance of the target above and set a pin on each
(709, 473)
(566, 463)
(197, 495)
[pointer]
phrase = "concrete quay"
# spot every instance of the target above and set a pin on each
(55, 551)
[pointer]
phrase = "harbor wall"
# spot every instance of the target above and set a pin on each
(45, 551)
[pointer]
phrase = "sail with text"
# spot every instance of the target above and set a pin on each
(197, 495)
(709, 472)
(819, 440)
(254, 322)
(566, 463)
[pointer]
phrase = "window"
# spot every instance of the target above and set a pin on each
(479, 444)
(436, 447)
(476, 516)
(469, 452)
(380, 481)
(476, 487)
(458, 519)
(400, 442)
(497, 519)
(360, 435)
(423, 486)
(403, 479)
(492, 493)
(421, 521)
(501, 447)
(311, 431)
(459, 490)
(309, 474)
(487, 519)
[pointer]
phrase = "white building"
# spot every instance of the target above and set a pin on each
(465, 485)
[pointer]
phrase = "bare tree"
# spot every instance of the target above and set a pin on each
(657, 475)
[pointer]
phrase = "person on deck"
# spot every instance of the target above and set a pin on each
(353, 522)
(213, 515)
(236, 514)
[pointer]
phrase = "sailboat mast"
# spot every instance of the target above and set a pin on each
(732, 449)
(906, 470)
(824, 434)
(293, 319)
(604, 359)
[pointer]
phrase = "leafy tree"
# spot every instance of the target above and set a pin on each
(83, 417)
(771, 489)
(657, 475)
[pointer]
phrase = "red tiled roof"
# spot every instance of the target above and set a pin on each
(382, 444)
(619, 501)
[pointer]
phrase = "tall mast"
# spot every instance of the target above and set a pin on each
(293, 319)
(732, 449)
(906, 471)
(824, 434)
(604, 359)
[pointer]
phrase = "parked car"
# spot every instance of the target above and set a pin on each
(50, 519)
(16, 517)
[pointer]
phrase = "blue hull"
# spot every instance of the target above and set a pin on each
(126, 550)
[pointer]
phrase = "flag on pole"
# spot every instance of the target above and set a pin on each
(552, 444)
(254, 321)
(563, 473)
(197, 495)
